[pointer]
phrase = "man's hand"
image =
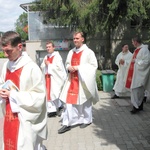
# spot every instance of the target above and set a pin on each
(121, 61)
(133, 60)
(46, 62)
(4, 93)
(72, 68)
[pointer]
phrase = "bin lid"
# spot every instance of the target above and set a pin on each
(108, 72)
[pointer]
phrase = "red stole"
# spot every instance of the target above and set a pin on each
(72, 95)
(48, 80)
(11, 122)
(131, 69)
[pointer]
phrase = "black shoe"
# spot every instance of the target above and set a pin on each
(134, 110)
(59, 111)
(64, 129)
(52, 114)
(84, 125)
(144, 99)
(141, 107)
(115, 96)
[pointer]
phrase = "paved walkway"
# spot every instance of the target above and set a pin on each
(113, 128)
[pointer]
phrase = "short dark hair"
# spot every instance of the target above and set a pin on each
(10, 37)
(79, 32)
(50, 42)
(137, 38)
(124, 45)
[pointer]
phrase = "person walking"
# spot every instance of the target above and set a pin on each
(80, 89)
(22, 98)
(55, 75)
(122, 61)
(138, 73)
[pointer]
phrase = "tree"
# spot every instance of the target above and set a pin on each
(21, 26)
(94, 16)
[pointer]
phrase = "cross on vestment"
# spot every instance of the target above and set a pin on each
(10, 144)
(10, 116)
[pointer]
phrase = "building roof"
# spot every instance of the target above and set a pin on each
(26, 6)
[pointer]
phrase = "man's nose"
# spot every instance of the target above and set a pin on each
(5, 54)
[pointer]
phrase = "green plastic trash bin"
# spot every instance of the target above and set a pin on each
(108, 80)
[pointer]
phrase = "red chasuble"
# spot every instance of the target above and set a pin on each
(131, 69)
(73, 90)
(11, 122)
(48, 80)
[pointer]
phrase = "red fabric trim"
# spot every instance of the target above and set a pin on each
(131, 69)
(48, 80)
(73, 91)
(11, 122)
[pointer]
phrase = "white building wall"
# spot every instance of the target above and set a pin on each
(37, 30)
(32, 46)
(37, 50)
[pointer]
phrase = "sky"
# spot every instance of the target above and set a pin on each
(10, 11)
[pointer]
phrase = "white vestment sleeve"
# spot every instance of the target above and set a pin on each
(13, 103)
(43, 66)
(88, 75)
(117, 59)
(1, 101)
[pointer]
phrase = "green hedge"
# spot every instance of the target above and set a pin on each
(98, 80)
(2, 55)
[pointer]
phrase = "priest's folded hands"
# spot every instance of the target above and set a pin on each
(133, 60)
(4, 93)
(72, 68)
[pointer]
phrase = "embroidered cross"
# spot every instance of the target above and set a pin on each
(10, 116)
(10, 144)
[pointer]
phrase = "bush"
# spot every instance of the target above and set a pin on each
(2, 55)
(98, 80)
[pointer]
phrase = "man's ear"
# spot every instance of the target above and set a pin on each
(20, 46)
(82, 39)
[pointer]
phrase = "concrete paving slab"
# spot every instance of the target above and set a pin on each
(122, 102)
(105, 95)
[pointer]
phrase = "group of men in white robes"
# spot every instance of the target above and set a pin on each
(78, 90)
(133, 74)
(74, 87)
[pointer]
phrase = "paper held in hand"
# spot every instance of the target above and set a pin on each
(9, 85)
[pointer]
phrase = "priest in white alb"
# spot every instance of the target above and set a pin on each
(54, 77)
(80, 89)
(122, 61)
(24, 107)
(138, 74)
